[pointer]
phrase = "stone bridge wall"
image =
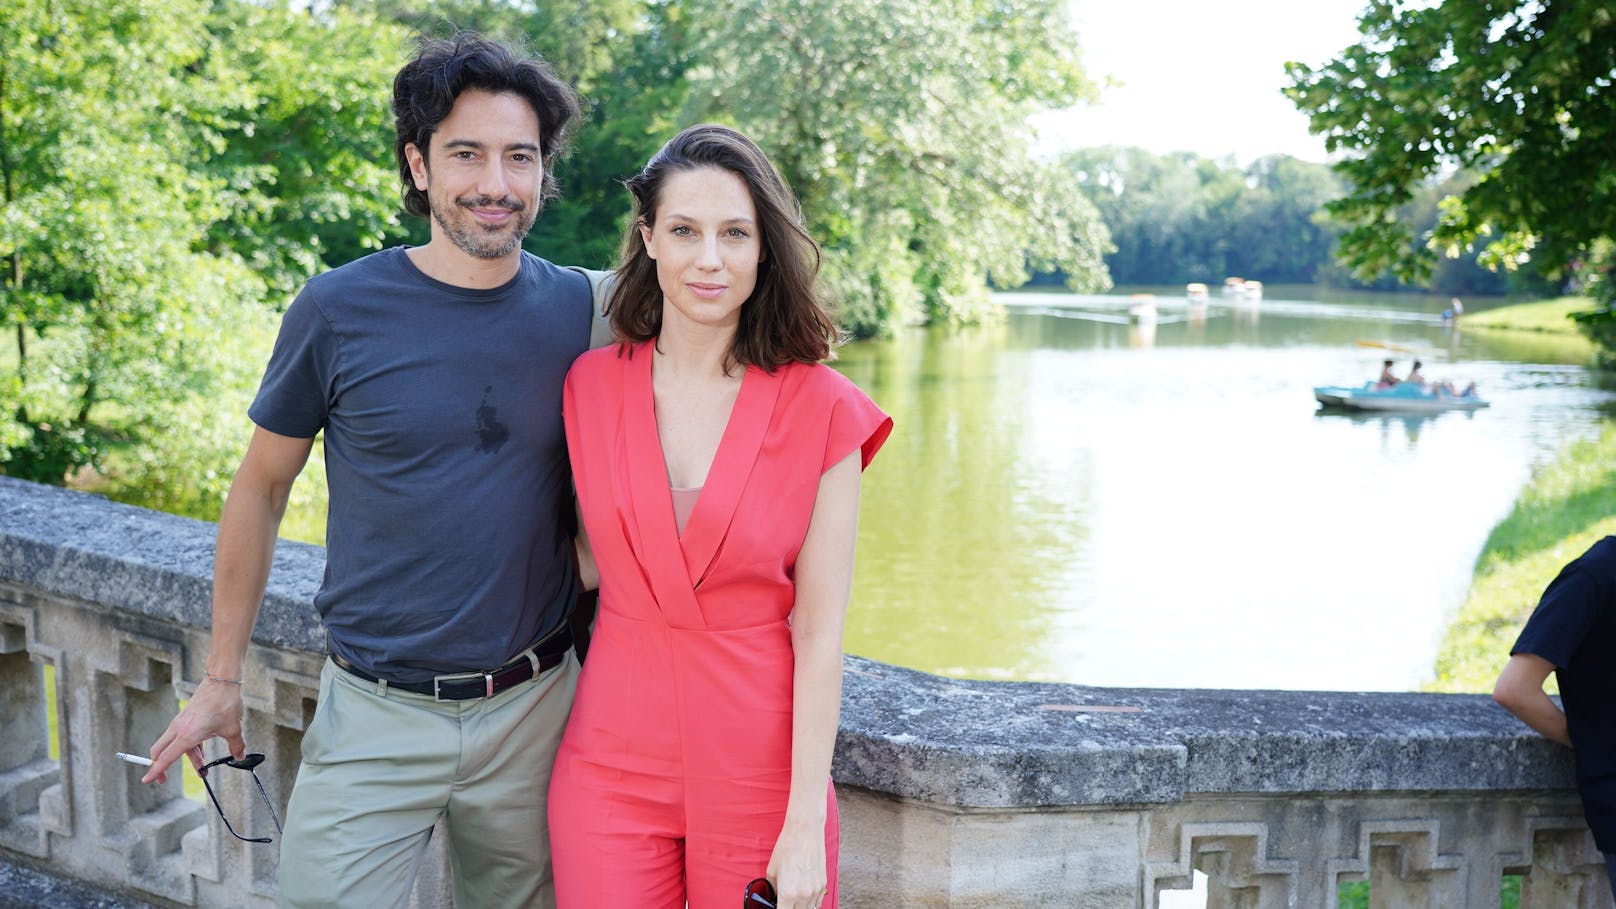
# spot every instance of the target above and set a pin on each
(953, 793)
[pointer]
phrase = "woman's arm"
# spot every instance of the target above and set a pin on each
(824, 581)
(588, 571)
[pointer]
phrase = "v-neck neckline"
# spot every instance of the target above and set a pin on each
(724, 438)
(726, 478)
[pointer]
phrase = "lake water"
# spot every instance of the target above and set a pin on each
(1071, 497)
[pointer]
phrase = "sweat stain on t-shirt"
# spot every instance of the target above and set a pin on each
(491, 433)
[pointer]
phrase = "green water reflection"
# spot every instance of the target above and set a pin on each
(1072, 495)
(958, 522)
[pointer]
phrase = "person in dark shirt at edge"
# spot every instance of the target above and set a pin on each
(1572, 633)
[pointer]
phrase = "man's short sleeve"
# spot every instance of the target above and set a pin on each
(295, 396)
(1562, 618)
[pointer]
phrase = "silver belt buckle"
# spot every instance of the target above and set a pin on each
(438, 680)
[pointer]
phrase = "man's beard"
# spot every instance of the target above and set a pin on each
(481, 242)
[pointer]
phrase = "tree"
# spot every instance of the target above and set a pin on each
(107, 294)
(1180, 217)
(1520, 93)
(172, 170)
(301, 143)
(1283, 236)
(901, 125)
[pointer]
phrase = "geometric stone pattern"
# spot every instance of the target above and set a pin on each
(952, 793)
(1418, 850)
(120, 678)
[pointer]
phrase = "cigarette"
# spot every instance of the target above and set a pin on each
(133, 759)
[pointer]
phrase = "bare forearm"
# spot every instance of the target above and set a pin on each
(1539, 711)
(1519, 690)
(815, 718)
(824, 584)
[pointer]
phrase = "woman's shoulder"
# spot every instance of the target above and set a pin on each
(821, 399)
(603, 362)
(817, 380)
(817, 388)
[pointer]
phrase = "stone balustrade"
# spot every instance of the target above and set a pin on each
(953, 793)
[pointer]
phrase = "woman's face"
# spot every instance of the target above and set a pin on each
(707, 244)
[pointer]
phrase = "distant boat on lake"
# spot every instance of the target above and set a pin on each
(1408, 397)
(1241, 290)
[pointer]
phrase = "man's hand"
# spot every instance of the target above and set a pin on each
(214, 711)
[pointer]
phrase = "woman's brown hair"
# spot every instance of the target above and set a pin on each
(784, 320)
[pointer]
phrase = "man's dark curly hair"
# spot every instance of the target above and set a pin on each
(426, 88)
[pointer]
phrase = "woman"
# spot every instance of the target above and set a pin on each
(717, 464)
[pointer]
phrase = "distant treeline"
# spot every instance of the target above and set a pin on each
(1179, 217)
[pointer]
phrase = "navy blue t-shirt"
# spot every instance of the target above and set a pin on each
(1574, 627)
(448, 543)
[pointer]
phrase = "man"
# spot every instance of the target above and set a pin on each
(435, 373)
(1573, 634)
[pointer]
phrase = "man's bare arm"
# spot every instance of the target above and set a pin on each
(246, 547)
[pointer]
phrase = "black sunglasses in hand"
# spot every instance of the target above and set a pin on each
(759, 895)
(247, 763)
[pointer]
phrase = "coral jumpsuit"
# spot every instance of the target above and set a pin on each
(671, 782)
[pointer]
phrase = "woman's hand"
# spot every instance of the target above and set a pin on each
(797, 866)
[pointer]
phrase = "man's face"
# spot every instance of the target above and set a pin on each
(482, 173)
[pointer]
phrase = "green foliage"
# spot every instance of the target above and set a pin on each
(1179, 217)
(171, 170)
(1352, 896)
(1356, 895)
(902, 126)
(108, 295)
(1517, 93)
(301, 137)
(580, 39)
(1598, 274)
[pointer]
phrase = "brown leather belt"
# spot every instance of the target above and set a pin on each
(466, 686)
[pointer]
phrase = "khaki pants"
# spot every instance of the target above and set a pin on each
(380, 766)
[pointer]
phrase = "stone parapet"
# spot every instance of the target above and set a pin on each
(953, 793)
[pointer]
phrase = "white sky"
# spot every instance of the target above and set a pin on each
(1200, 75)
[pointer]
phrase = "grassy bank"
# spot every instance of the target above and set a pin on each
(1567, 507)
(1542, 331)
(1547, 316)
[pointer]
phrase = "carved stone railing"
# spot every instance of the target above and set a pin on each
(953, 793)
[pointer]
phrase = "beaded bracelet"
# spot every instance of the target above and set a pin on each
(213, 678)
